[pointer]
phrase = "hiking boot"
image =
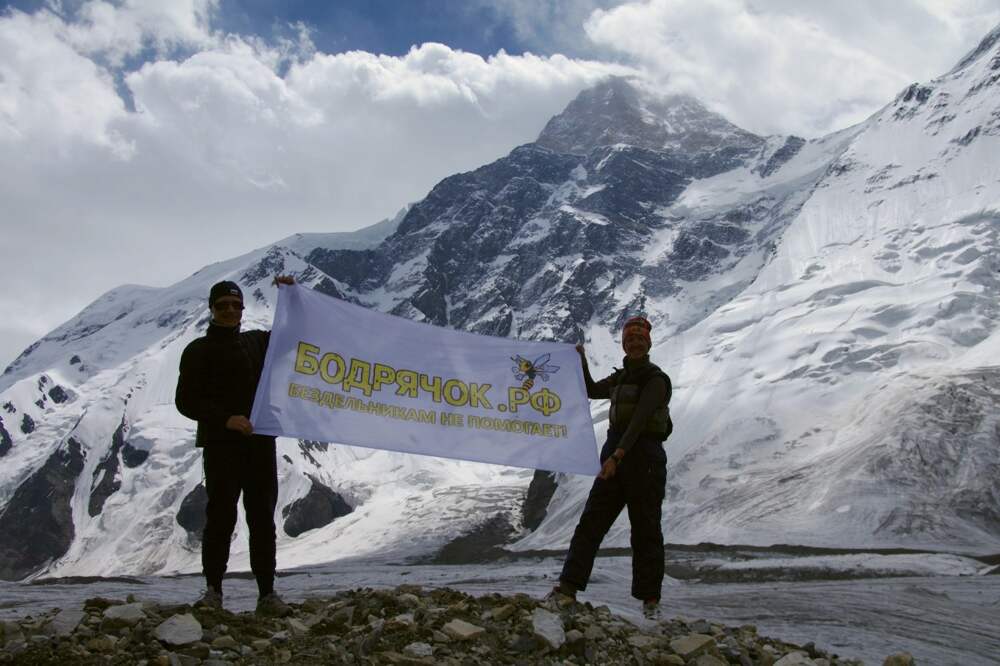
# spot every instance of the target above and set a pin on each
(211, 600)
(271, 605)
(562, 594)
(651, 609)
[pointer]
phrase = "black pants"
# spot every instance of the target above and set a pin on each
(232, 468)
(639, 484)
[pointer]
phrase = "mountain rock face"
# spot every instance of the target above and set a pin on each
(37, 521)
(318, 508)
(827, 310)
(546, 235)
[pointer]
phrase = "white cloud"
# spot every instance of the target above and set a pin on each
(236, 141)
(784, 66)
(228, 148)
(552, 26)
(49, 93)
(124, 29)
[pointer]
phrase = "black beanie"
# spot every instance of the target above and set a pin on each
(224, 288)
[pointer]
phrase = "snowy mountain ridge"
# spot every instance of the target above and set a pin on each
(827, 310)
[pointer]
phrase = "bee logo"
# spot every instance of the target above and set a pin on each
(525, 371)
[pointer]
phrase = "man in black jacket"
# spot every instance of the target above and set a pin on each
(218, 379)
(633, 470)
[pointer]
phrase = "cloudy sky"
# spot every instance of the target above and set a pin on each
(143, 139)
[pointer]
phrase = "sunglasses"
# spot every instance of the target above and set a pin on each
(228, 305)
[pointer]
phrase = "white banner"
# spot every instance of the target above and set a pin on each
(337, 372)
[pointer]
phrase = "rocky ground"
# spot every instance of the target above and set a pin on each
(408, 625)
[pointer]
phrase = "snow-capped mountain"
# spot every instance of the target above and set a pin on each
(827, 310)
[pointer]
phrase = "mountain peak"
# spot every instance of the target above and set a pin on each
(986, 45)
(617, 111)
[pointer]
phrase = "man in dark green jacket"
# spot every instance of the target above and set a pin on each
(216, 386)
(633, 469)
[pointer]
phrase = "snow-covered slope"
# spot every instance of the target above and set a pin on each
(849, 394)
(826, 308)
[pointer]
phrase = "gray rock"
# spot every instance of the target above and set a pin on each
(368, 643)
(523, 644)
(102, 644)
(692, 645)
(899, 659)
(200, 649)
(311, 620)
(504, 612)
(419, 650)
(65, 622)
(126, 614)
(398, 659)
(641, 641)
(179, 630)
(225, 643)
(708, 660)
(10, 632)
(409, 600)
(701, 627)
(403, 620)
(461, 630)
(297, 627)
(576, 643)
(548, 627)
(343, 617)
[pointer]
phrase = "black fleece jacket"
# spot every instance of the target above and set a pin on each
(218, 379)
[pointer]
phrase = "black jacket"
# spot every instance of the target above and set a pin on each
(218, 379)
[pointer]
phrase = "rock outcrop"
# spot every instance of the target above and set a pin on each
(36, 525)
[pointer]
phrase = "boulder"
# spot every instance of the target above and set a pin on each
(179, 630)
(548, 627)
(126, 614)
(418, 650)
(461, 630)
(65, 622)
(692, 645)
